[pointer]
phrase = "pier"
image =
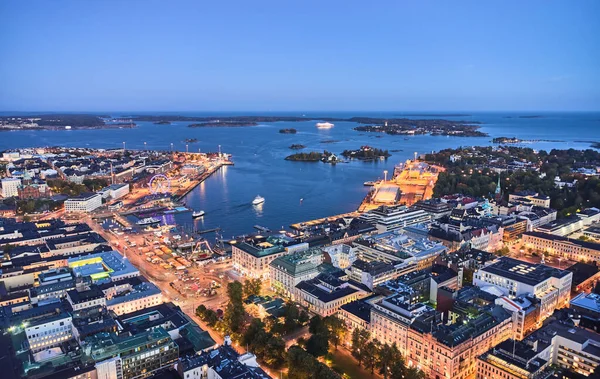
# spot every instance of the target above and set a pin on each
(205, 175)
(300, 226)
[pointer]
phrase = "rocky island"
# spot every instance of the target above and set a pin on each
(366, 153)
(190, 140)
(288, 131)
(163, 122)
(297, 146)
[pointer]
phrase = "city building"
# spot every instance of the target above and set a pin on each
(435, 207)
(288, 270)
(325, 294)
(115, 191)
(102, 267)
(562, 247)
(512, 360)
(84, 203)
(130, 357)
(514, 278)
(10, 187)
(137, 297)
(373, 273)
(562, 227)
(568, 346)
(253, 255)
(389, 218)
(530, 197)
(222, 362)
(91, 297)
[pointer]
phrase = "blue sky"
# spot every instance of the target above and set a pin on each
(299, 55)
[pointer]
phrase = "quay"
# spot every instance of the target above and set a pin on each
(205, 175)
(301, 226)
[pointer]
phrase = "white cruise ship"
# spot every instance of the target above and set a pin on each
(324, 125)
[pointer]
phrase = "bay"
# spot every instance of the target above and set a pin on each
(260, 168)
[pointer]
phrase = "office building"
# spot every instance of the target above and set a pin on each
(84, 203)
(562, 247)
(10, 187)
(514, 278)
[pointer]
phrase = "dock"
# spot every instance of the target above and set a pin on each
(300, 226)
(205, 175)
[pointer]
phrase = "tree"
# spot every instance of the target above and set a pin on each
(234, 312)
(360, 337)
(371, 353)
(207, 315)
(265, 345)
(337, 329)
(252, 287)
(389, 360)
(305, 366)
(317, 345)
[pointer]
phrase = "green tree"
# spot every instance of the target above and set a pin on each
(360, 337)
(371, 353)
(318, 345)
(337, 329)
(302, 365)
(234, 312)
(390, 362)
(252, 287)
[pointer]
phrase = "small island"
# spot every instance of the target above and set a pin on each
(314, 156)
(297, 146)
(190, 140)
(288, 131)
(162, 122)
(366, 153)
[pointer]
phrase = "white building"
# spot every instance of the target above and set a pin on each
(388, 218)
(325, 294)
(141, 297)
(341, 255)
(515, 278)
(49, 331)
(86, 202)
(115, 191)
(289, 270)
(10, 187)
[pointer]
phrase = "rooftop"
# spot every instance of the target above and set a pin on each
(522, 271)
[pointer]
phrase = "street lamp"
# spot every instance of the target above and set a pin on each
(171, 146)
(144, 145)
(186, 148)
(123, 146)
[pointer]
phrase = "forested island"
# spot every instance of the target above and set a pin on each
(162, 122)
(366, 153)
(513, 140)
(288, 131)
(472, 171)
(433, 127)
(297, 146)
(190, 140)
(313, 156)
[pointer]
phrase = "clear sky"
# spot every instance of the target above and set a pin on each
(299, 55)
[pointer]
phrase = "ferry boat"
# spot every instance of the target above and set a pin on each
(197, 214)
(148, 221)
(324, 125)
(369, 183)
(258, 200)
